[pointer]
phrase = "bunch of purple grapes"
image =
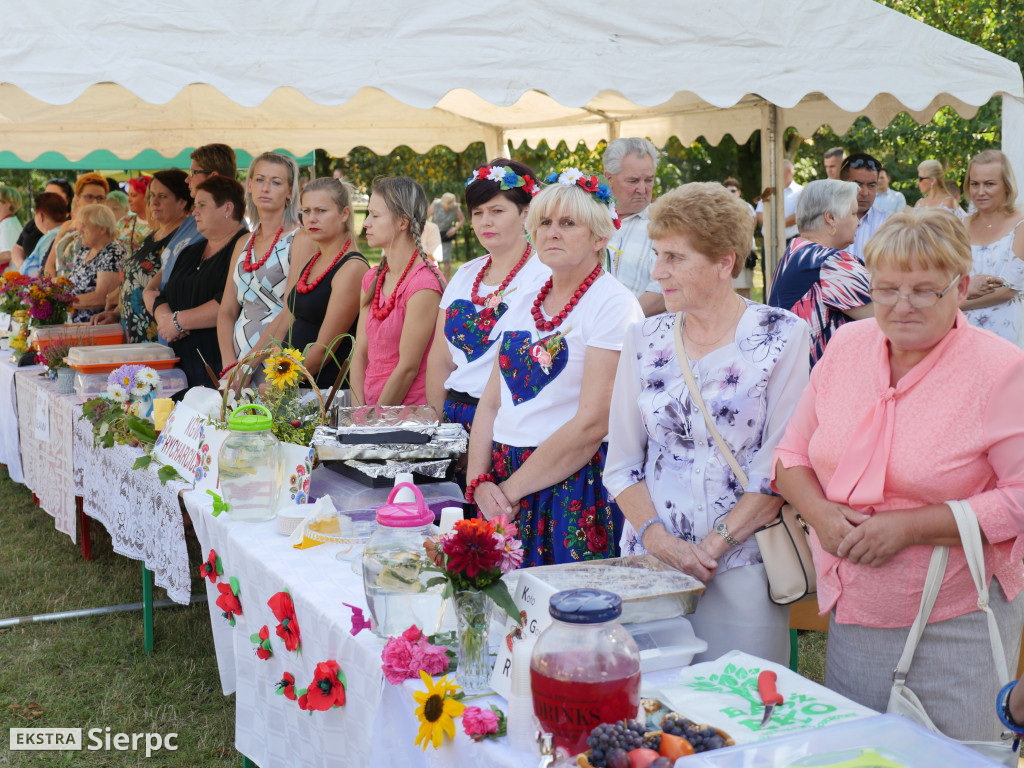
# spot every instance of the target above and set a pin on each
(608, 739)
(701, 739)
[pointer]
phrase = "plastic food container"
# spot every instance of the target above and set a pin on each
(347, 493)
(93, 384)
(106, 358)
(79, 334)
(250, 465)
(585, 668)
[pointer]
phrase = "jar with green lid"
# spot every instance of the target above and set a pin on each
(250, 465)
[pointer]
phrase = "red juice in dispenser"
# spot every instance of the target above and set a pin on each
(585, 668)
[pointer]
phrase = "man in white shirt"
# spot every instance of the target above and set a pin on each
(790, 194)
(629, 166)
(886, 198)
(834, 161)
(862, 170)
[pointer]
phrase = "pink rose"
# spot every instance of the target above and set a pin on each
(434, 659)
(478, 723)
(398, 656)
(412, 634)
(493, 300)
(544, 358)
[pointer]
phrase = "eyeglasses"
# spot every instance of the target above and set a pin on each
(923, 178)
(93, 198)
(862, 162)
(197, 172)
(890, 297)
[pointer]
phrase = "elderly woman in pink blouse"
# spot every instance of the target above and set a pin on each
(903, 413)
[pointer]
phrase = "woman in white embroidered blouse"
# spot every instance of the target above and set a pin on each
(681, 500)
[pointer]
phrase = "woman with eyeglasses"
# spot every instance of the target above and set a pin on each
(90, 189)
(994, 300)
(906, 412)
(931, 180)
(817, 279)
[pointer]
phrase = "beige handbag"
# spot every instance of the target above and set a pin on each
(784, 544)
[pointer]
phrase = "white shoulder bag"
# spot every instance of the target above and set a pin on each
(902, 700)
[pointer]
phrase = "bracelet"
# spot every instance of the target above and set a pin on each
(1003, 708)
(225, 370)
(174, 319)
(486, 477)
(645, 526)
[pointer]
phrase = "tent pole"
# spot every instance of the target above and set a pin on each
(771, 176)
(1013, 136)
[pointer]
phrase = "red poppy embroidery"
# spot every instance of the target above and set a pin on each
(284, 611)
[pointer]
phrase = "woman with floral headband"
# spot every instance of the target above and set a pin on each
(477, 301)
(538, 443)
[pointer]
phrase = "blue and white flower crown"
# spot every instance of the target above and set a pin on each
(574, 177)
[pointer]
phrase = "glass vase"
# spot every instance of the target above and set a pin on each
(473, 618)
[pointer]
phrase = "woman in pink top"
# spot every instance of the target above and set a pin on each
(903, 413)
(400, 300)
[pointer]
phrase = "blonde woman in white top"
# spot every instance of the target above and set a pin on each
(931, 180)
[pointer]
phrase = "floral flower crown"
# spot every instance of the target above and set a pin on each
(506, 178)
(574, 177)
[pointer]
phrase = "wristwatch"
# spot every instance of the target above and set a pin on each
(722, 531)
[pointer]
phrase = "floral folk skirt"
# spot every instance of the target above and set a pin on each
(568, 522)
(459, 413)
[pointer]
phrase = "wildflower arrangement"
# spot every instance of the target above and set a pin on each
(53, 356)
(474, 556)
(130, 383)
(47, 300)
(574, 177)
(412, 652)
(436, 708)
(295, 417)
(112, 424)
(11, 283)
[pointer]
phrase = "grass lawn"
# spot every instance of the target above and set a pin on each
(92, 672)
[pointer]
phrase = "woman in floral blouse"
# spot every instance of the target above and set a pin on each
(682, 501)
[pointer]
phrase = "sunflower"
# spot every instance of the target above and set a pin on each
(436, 710)
(282, 370)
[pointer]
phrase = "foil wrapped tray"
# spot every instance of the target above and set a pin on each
(650, 590)
(446, 442)
(392, 469)
(367, 419)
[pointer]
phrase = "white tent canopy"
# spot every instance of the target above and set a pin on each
(76, 77)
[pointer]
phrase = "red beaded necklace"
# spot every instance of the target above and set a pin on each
(247, 264)
(381, 312)
(554, 322)
(477, 299)
(305, 287)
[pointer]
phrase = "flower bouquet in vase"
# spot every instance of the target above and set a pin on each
(11, 283)
(122, 414)
(471, 559)
(53, 356)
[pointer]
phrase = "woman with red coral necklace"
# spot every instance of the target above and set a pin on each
(324, 304)
(538, 451)
(478, 299)
(258, 281)
(400, 299)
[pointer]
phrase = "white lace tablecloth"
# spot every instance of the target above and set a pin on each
(10, 442)
(377, 726)
(48, 465)
(142, 516)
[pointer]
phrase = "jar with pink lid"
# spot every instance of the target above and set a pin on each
(395, 568)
